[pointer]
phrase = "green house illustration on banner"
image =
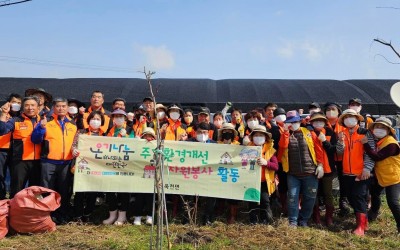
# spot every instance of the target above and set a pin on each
(83, 165)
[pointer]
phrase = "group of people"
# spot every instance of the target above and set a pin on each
(38, 141)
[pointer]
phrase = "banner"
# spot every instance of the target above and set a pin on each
(111, 164)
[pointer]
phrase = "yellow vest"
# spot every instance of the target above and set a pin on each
(388, 170)
(308, 137)
(268, 151)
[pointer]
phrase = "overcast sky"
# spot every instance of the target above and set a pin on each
(217, 39)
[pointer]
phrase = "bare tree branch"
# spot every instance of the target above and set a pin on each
(385, 59)
(387, 44)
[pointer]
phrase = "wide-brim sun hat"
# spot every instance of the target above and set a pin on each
(318, 116)
(118, 112)
(160, 106)
(262, 129)
(148, 131)
(347, 113)
(226, 126)
(33, 91)
(292, 116)
(385, 122)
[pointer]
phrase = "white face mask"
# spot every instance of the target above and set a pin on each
(174, 115)
(218, 123)
(252, 124)
(280, 118)
(295, 126)
(161, 115)
(201, 137)
(72, 110)
(318, 124)
(15, 107)
(332, 114)
(95, 124)
(259, 140)
(379, 133)
(356, 108)
(119, 121)
(350, 122)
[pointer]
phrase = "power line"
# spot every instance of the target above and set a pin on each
(9, 2)
(41, 62)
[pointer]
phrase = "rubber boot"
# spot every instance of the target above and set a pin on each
(361, 220)
(232, 214)
(269, 217)
(329, 215)
(112, 218)
(316, 215)
(121, 218)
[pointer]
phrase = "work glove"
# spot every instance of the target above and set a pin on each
(364, 176)
(319, 171)
(262, 162)
(122, 132)
(246, 140)
(322, 137)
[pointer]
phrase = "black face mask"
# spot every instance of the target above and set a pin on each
(227, 136)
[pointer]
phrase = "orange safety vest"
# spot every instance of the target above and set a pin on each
(57, 142)
(5, 139)
(338, 128)
(174, 129)
(325, 159)
(23, 147)
(106, 119)
(353, 155)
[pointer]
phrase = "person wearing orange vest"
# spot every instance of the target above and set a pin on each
(302, 159)
(237, 121)
(25, 162)
(173, 130)
(332, 112)
(269, 114)
(357, 166)
(56, 136)
(189, 122)
(327, 140)
(277, 130)
(387, 163)
(252, 119)
(269, 164)
(96, 103)
(5, 140)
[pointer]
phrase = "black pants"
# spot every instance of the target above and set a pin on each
(393, 200)
(58, 178)
(84, 203)
(118, 201)
(260, 210)
(357, 193)
(375, 191)
(21, 173)
(282, 175)
(143, 204)
(3, 170)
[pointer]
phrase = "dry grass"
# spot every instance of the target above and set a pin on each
(382, 235)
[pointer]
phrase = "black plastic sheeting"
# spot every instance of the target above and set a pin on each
(245, 94)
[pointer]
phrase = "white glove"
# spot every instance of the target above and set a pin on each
(262, 162)
(75, 152)
(130, 116)
(122, 132)
(246, 140)
(322, 137)
(319, 172)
